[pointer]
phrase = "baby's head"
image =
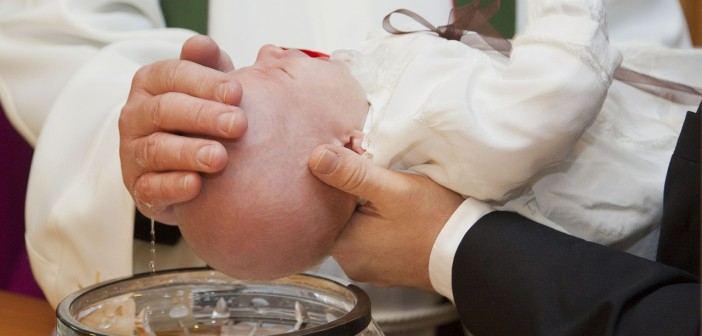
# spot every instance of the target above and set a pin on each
(265, 215)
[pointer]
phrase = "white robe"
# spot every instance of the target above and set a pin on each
(65, 72)
(542, 134)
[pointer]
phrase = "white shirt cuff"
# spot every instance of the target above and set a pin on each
(446, 244)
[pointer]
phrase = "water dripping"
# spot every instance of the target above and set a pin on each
(152, 262)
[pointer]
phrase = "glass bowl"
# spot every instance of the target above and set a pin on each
(202, 301)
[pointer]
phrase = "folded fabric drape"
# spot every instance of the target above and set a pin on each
(470, 25)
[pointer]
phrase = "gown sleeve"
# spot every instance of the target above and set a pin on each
(529, 114)
(483, 125)
(65, 72)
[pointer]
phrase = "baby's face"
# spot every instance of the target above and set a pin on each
(324, 89)
(266, 215)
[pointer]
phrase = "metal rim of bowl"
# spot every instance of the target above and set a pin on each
(351, 323)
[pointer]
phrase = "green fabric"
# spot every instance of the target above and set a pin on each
(505, 19)
(189, 14)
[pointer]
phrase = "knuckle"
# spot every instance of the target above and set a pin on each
(128, 114)
(149, 152)
(355, 177)
(174, 72)
(155, 110)
(202, 119)
(183, 154)
(124, 121)
(141, 75)
(146, 196)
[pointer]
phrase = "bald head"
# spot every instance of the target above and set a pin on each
(265, 215)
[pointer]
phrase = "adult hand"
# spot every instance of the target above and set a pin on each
(193, 95)
(388, 240)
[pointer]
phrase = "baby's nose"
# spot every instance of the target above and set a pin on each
(269, 52)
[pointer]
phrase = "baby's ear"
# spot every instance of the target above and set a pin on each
(355, 142)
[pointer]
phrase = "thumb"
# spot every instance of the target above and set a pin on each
(204, 50)
(347, 171)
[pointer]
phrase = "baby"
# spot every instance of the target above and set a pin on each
(265, 215)
(541, 133)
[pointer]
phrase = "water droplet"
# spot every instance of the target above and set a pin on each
(259, 305)
(107, 321)
(178, 311)
(221, 310)
(259, 302)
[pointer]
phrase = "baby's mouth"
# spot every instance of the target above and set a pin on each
(311, 53)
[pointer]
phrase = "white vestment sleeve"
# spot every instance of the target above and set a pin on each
(65, 72)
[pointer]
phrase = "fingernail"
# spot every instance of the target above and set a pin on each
(327, 162)
(226, 121)
(204, 155)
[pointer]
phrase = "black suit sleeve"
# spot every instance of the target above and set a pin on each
(512, 276)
